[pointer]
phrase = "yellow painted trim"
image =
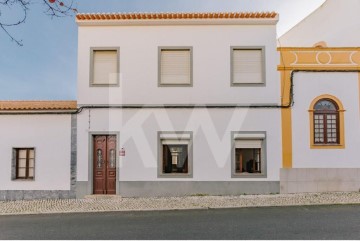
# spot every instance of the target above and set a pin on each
(359, 90)
(318, 48)
(341, 145)
(286, 126)
(342, 68)
(319, 58)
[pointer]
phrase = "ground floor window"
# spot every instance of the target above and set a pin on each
(175, 155)
(175, 158)
(248, 160)
(248, 154)
(24, 160)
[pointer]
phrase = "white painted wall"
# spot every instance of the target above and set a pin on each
(211, 139)
(50, 135)
(335, 22)
(307, 86)
(211, 64)
(211, 128)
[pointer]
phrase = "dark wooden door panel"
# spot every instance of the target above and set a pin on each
(99, 158)
(104, 163)
(111, 165)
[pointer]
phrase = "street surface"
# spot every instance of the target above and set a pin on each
(300, 222)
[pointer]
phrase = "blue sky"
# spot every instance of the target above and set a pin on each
(45, 67)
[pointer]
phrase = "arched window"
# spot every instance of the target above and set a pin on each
(326, 123)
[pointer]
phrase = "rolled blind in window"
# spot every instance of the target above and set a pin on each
(175, 142)
(248, 143)
(175, 67)
(247, 66)
(105, 67)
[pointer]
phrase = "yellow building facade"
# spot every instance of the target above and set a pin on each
(321, 129)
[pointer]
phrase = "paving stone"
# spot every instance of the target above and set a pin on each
(103, 203)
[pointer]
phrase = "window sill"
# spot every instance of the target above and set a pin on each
(262, 84)
(104, 85)
(327, 146)
(175, 85)
(175, 175)
(248, 175)
(23, 180)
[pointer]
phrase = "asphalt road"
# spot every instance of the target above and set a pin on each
(307, 222)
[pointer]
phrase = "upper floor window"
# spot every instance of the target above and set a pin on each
(247, 66)
(24, 160)
(104, 67)
(175, 66)
(327, 123)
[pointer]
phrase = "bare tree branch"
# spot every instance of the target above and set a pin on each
(18, 42)
(53, 8)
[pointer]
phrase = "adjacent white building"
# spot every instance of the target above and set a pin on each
(336, 22)
(321, 132)
(37, 147)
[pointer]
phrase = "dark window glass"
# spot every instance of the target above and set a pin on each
(248, 160)
(175, 159)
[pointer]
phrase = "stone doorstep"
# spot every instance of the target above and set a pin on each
(102, 196)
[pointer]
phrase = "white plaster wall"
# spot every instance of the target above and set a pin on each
(211, 64)
(211, 139)
(335, 22)
(50, 135)
(307, 86)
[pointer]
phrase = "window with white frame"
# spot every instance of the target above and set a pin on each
(175, 66)
(247, 66)
(104, 67)
(175, 154)
(248, 156)
(24, 163)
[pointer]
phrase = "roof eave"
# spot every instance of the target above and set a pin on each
(40, 111)
(160, 22)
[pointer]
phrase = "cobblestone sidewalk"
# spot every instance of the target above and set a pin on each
(116, 203)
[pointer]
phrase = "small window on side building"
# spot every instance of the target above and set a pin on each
(24, 163)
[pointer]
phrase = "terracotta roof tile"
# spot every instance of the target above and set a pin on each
(194, 15)
(37, 105)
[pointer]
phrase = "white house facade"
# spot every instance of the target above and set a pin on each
(178, 104)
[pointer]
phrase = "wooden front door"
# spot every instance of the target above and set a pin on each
(104, 158)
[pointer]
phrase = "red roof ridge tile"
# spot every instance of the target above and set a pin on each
(14, 105)
(176, 15)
